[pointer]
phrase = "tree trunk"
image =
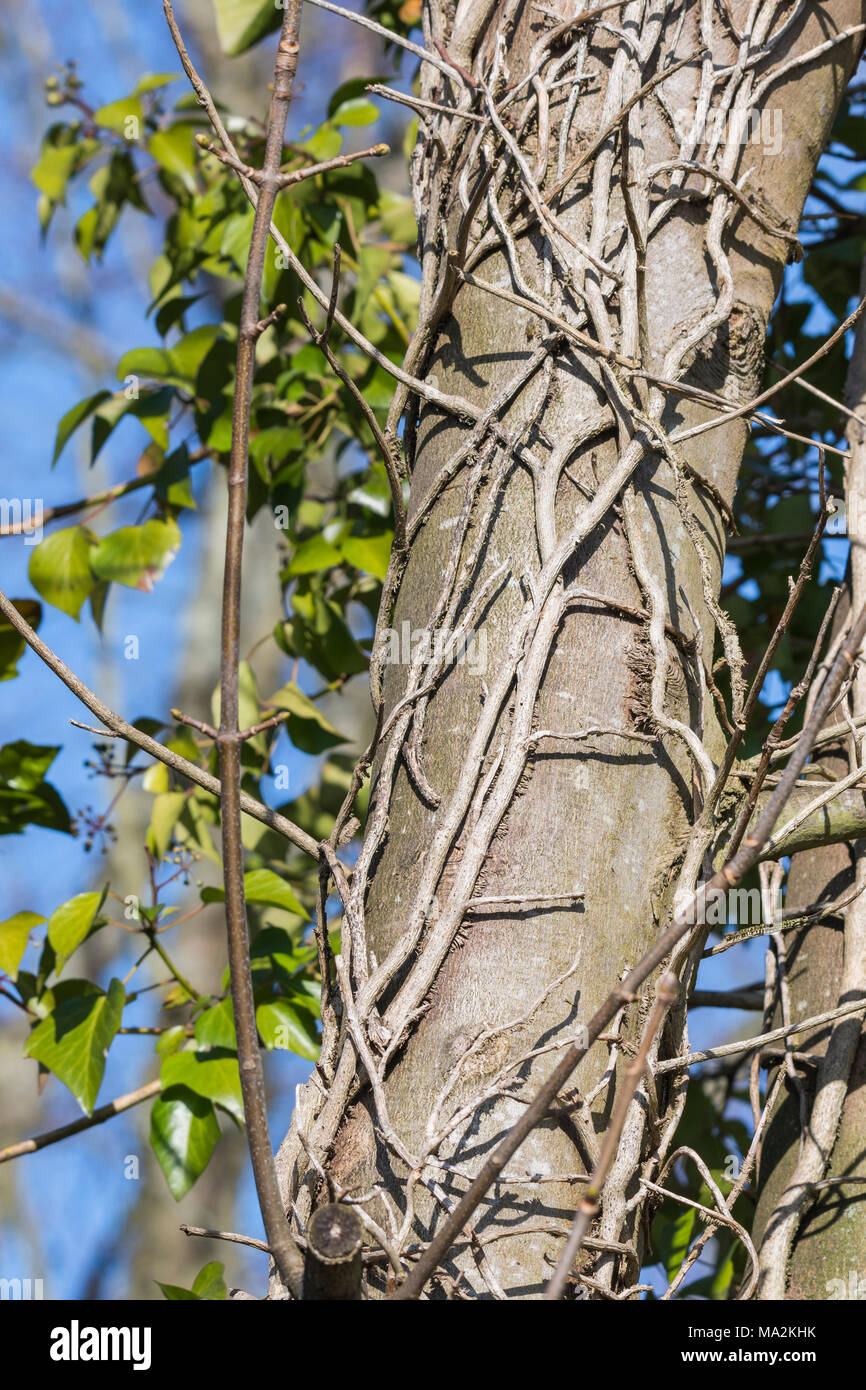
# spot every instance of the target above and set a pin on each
(561, 765)
(813, 1239)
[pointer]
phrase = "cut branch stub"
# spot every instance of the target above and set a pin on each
(333, 1265)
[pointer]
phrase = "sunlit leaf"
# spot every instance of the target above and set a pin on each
(137, 556)
(14, 936)
(308, 728)
(241, 23)
(60, 570)
(74, 1039)
(71, 923)
(216, 1026)
(212, 1074)
(261, 886)
(117, 114)
(283, 1026)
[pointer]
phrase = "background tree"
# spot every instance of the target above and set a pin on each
(572, 735)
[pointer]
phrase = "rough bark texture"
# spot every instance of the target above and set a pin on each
(822, 1233)
(832, 1236)
(604, 815)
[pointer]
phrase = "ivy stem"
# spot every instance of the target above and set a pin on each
(286, 1253)
(170, 965)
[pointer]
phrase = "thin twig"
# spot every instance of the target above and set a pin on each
(287, 1255)
(734, 1049)
(116, 727)
(227, 1235)
(292, 176)
(99, 1116)
(666, 994)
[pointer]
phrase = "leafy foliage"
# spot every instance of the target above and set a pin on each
(76, 1033)
(208, 1286)
(25, 797)
(312, 466)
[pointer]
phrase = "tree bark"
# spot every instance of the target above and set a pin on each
(560, 528)
(813, 1239)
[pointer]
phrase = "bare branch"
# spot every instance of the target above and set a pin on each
(735, 1049)
(119, 728)
(286, 1254)
(666, 994)
(99, 1116)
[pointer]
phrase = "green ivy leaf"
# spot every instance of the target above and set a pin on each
(193, 827)
(175, 1294)
(137, 556)
(397, 217)
(241, 23)
(23, 765)
(275, 959)
(115, 115)
(216, 1027)
(75, 417)
(369, 553)
(74, 1039)
(25, 798)
(318, 632)
(60, 570)
(152, 81)
(373, 493)
(261, 886)
(265, 886)
(213, 1075)
(173, 310)
(14, 938)
(308, 728)
(12, 646)
(169, 1041)
(167, 807)
(113, 185)
(209, 1283)
(151, 408)
(283, 1026)
(673, 1237)
(72, 922)
(325, 143)
(208, 1286)
(249, 711)
(184, 1132)
(178, 364)
(173, 481)
(355, 111)
(173, 149)
(312, 555)
(56, 165)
